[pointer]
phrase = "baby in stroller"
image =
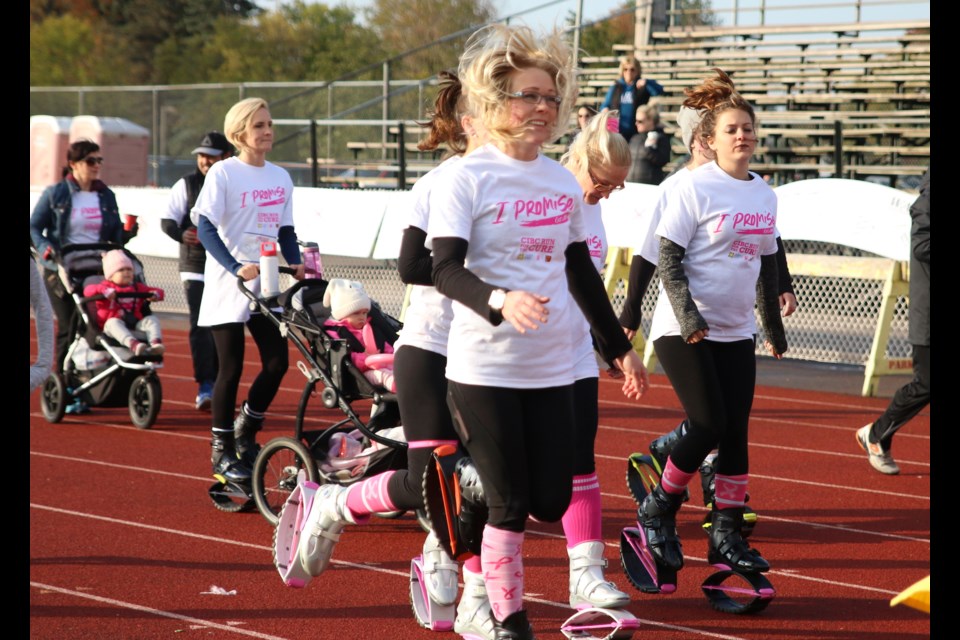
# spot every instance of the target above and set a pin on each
(350, 320)
(120, 317)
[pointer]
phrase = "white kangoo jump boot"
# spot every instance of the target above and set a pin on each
(474, 619)
(588, 587)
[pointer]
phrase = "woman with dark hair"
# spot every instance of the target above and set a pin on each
(78, 209)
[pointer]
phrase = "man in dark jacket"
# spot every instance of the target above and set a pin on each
(176, 224)
(876, 438)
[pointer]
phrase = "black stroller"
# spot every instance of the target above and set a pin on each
(98, 371)
(326, 361)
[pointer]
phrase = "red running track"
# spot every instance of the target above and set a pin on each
(125, 543)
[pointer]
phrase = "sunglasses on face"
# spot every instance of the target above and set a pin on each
(601, 187)
(534, 98)
(93, 160)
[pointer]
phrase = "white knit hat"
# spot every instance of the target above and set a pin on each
(115, 260)
(688, 120)
(345, 297)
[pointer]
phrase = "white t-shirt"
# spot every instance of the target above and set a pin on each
(176, 210)
(247, 205)
(85, 218)
(649, 243)
(724, 225)
(518, 218)
(584, 356)
(426, 322)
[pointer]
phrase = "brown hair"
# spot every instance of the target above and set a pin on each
(712, 97)
(444, 125)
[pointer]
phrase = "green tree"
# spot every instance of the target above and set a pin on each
(402, 25)
(66, 50)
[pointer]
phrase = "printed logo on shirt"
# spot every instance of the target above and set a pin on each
(541, 248)
(91, 219)
(748, 223)
(265, 197)
(546, 211)
(595, 245)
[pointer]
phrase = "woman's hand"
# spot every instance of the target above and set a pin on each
(525, 310)
(636, 381)
(788, 303)
(248, 271)
(630, 333)
(698, 335)
(772, 350)
(299, 270)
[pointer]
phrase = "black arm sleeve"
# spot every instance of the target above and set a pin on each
(287, 239)
(415, 262)
(769, 305)
(677, 286)
(454, 280)
(783, 273)
(641, 273)
(172, 229)
(588, 291)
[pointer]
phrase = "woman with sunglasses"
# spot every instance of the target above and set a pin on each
(650, 148)
(628, 92)
(600, 161)
(78, 209)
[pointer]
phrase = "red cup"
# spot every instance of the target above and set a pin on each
(128, 221)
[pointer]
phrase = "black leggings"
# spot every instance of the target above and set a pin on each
(715, 383)
(422, 394)
(229, 340)
(586, 417)
(521, 442)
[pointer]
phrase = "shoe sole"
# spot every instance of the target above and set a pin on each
(204, 405)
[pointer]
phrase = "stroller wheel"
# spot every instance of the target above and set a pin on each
(53, 398)
(275, 474)
(144, 401)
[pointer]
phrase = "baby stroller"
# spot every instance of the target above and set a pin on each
(98, 371)
(375, 444)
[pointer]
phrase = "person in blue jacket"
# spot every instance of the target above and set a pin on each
(78, 209)
(628, 92)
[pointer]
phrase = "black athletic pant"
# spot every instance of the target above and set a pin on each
(422, 396)
(715, 383)
(907, 402)
(65, 310)
(520, 441)
(229, 340)
(202, 349)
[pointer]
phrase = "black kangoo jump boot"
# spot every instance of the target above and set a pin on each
(727, 546)
(514, 627)
(227, 466)
(658, 517)
(245, 429)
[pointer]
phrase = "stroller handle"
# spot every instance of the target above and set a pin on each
(283, 296)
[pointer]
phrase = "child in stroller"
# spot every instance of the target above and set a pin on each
(98, 369)
(121, 317)
(350, 320)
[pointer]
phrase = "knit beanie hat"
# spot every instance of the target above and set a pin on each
(113, 261)
(688, 120)
(345, 297)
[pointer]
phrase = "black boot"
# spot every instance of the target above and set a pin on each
(727, 546)
(245, 429)
(708, 475)
(473, 506)
(658, 517)
(514, 627)
(227, 466)
(661, 447)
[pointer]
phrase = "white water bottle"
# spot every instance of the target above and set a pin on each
(269, 270)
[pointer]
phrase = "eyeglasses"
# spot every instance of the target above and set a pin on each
(601, 187)
(629, 68)
(532, 97)
(92, 160)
